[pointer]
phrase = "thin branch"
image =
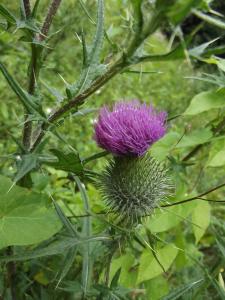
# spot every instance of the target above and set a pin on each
(198, 197)
(49, 17)
(217, 130)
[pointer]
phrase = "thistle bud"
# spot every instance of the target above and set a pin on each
(133, 187)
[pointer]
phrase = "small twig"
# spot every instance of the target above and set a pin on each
(219, 128)
(198, 197)
(49, 17)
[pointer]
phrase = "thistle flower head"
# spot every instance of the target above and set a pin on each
(130, 128)
(133, 187)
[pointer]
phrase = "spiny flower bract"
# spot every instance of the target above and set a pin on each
(133, 187)
(130, 128)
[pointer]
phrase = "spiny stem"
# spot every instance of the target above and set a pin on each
(49, 17)
(27, 130)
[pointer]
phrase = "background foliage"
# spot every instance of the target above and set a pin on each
(55, 241)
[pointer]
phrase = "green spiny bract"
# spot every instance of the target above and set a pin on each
(133, 186)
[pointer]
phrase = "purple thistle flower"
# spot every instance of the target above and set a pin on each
(130, 128)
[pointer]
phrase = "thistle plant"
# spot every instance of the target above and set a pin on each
(133, 183)
(48, 205)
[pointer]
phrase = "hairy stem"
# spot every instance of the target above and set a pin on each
(49, 17)
(27, 130)
(26, 4)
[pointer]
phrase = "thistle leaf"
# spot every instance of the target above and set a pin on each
(26, 99)
(91, 59)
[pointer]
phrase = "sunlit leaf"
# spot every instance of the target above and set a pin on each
(206, 101)
(161, 148)
(150, 268)
(196, 137)
(218, 160)
(26, 217)
(201, 217)
(169, 218)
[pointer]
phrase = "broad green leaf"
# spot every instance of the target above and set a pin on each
(182, 290)
(156, 288)
(127, 275)
(26, 217)
(162, 147)
(206, 101)
(218, 160)
(196, 137)
(69, 162)
(200, 217)
(150, 268)
(164, 220)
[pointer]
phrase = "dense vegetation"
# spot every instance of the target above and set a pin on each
(57, 240)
